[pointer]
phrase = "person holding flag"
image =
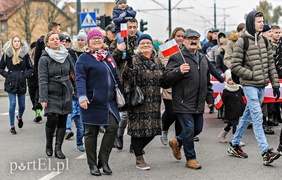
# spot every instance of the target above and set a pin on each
(188, 74)
(121, 14)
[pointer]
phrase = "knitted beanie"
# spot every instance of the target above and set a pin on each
(93, 33)
(120, 1)
(81, 35)
(144, 36)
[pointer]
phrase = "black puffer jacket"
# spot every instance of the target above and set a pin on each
(15, 75)
(189, 90)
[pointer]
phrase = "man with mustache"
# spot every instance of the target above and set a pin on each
(188, 74)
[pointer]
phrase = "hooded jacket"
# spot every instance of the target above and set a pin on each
(118, 18)
(15, 75)
(214, 51)
(233, 37)
(258, 65)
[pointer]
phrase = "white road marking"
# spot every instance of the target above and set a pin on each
(7, 113)
(83, 156)
(50, 175)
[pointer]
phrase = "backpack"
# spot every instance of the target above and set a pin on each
(246, 46)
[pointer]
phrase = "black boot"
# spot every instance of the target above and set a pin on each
(266, 129)
(270, 119)
(106, 169)
(49, 140)
(60, 134)
(95, 171)
(119, 142)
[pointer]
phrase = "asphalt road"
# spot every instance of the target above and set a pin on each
(23, 156)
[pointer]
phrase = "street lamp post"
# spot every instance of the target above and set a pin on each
(78, 10)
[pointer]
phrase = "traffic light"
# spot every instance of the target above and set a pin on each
(103, 21)
(142, 24)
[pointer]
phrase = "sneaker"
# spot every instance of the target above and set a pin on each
(241, 144)
(196, 139)
(38, 117)
(80, 148)
(13, 130)
(164, 138)
(279, 149)
(269, 157)
(236, 151)
(20, 122)
(69, 135)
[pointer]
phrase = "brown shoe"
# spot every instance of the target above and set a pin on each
(175, 148)
(193, 164)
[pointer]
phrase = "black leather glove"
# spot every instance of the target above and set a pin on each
(276, 93)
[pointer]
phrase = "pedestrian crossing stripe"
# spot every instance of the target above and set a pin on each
(88, 20)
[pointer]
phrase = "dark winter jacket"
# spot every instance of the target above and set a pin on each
(95, 84)
(189, 90)
(130, 13)
(145, 121)
(259, 65)
(55, 87)
(234, 104)
(220, 66)
(208, 44)
(15, 75)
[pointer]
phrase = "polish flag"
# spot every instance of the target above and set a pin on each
(169, 48)
(123, 30)
(218, 101)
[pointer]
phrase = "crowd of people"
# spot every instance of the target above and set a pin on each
(77, 80)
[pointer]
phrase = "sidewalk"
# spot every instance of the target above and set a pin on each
(2, 92)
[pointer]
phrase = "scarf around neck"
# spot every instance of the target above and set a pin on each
(58, 55)
(232, 88)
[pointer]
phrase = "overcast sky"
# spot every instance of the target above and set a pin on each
(199, 17)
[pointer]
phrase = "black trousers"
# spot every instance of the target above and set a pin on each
(139, 143)
(232, 123)
(169, 117)
(90, 138)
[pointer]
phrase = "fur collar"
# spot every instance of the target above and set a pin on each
(9, 51)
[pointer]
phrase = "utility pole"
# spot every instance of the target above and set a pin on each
(214, 14)
(78, 10)
(169, 18)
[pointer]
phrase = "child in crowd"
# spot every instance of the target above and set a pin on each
(121, 14)
(234, 106)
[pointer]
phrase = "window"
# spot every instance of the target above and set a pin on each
(96, 11)
(38, 12)
(4, 27)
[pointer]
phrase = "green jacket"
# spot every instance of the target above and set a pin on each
(258, 66)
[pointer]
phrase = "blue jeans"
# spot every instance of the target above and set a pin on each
(12, 108)
(192, 125)
(75, 116)
(252, 112)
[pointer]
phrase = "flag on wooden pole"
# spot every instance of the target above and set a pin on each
(169, 48)
(123, 30)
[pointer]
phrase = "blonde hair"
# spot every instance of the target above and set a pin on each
(16, 53)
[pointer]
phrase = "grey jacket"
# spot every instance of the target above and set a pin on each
(55, 86)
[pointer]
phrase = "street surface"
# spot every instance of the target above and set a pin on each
(23, 155)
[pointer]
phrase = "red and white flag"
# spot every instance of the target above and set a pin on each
(169, 48)
(123, 30)
(218, 101)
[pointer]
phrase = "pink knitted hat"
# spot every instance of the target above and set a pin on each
(94, 32)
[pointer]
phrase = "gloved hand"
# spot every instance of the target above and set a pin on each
(122, 15)
(276, 93)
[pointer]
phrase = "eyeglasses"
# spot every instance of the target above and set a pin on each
(96, 38)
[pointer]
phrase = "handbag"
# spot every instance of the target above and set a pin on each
(119, 96)
(133, 98)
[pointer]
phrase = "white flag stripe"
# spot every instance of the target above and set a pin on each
(123, 26)
(168, 45)
(217, 99)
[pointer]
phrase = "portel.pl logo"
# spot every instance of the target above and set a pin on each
(39, 164)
